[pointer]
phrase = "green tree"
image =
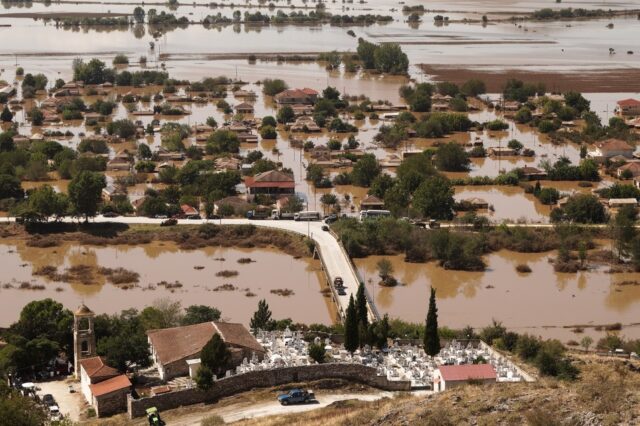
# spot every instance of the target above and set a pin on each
(18, 410)
(385, 268)
(261, 318)
(268, 132)
(328, 200)
(317, 352)
(36, 115)
(434, 198)
(45, 319)
(431, 337)
(389, 58)
(46, 202)
(351, 333)
(10, 187)
(196, 314)
(473, 87)
(365, 170)
(216, 356)
(586, 342)
(223, 141)
(6, 115)
(85, 193)
(125, 349)
(138, 15)
(452, 157)
(362, 310)
(623, 229)
(380, 332)
(204, 378)
(272, 87)
(285, 114)
(585, 208)
(366, 53)
(163, 313)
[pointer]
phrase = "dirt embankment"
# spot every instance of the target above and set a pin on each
(590, 81)
(607, 392)
(62, 15)
(187, 237)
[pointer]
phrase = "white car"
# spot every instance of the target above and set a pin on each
(54, 413)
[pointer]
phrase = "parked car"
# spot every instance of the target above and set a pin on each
(338, 282)
(48, 400)
(194, 217)
(110, 214)
(433, 224)
(296, 396)
(325, 228)
(330, 219)
(169, 222)
(54, 413)
(341, 291)
(71, 389)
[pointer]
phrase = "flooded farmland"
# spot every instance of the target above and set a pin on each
(165, 271)
(541, 302)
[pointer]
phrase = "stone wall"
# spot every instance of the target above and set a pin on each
(259, 379)
(112, 403)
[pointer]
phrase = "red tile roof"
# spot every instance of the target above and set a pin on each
(614, 145)
(174, 344)
(110, 385)
(629, 102)
(466, 372)
(270, 179)
(96, 368)
(188, 210)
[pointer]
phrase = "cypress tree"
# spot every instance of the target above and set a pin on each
(431, 338)
(351, 331)
(361, 306)
(261, 318)
(216, 356)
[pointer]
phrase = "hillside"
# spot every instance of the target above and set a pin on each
(606, 393)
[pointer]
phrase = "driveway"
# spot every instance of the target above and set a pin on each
(70, 404)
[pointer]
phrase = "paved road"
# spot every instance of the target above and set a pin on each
(334, 258)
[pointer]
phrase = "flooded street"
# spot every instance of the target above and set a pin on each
(158, 262)
(523, 302)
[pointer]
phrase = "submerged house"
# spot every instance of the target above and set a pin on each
(270, 182)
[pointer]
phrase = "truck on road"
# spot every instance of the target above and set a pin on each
(280, 215)
(296, 396)
(307, 216)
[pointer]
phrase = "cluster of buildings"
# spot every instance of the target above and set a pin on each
(176, 356)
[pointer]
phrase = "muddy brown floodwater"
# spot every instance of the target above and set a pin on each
(158, 262)
(541, 302)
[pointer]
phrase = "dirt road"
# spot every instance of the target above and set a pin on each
(233, 413)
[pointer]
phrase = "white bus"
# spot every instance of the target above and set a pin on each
(390, 115)
(307, 216)
(373, 214)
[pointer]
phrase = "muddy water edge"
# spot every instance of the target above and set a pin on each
(230, 279)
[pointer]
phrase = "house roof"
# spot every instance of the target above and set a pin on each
(83, 310)
(614, 145)
(528, 170)
(110, 385)
(173, 344)
(233, 201)
(629, 102)
(371, 200)
(297, 93)
(237, 335)
(244, 105)
(187, 209)
(467, 372)
(96, 368)
(633, 167)
(271, 178)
